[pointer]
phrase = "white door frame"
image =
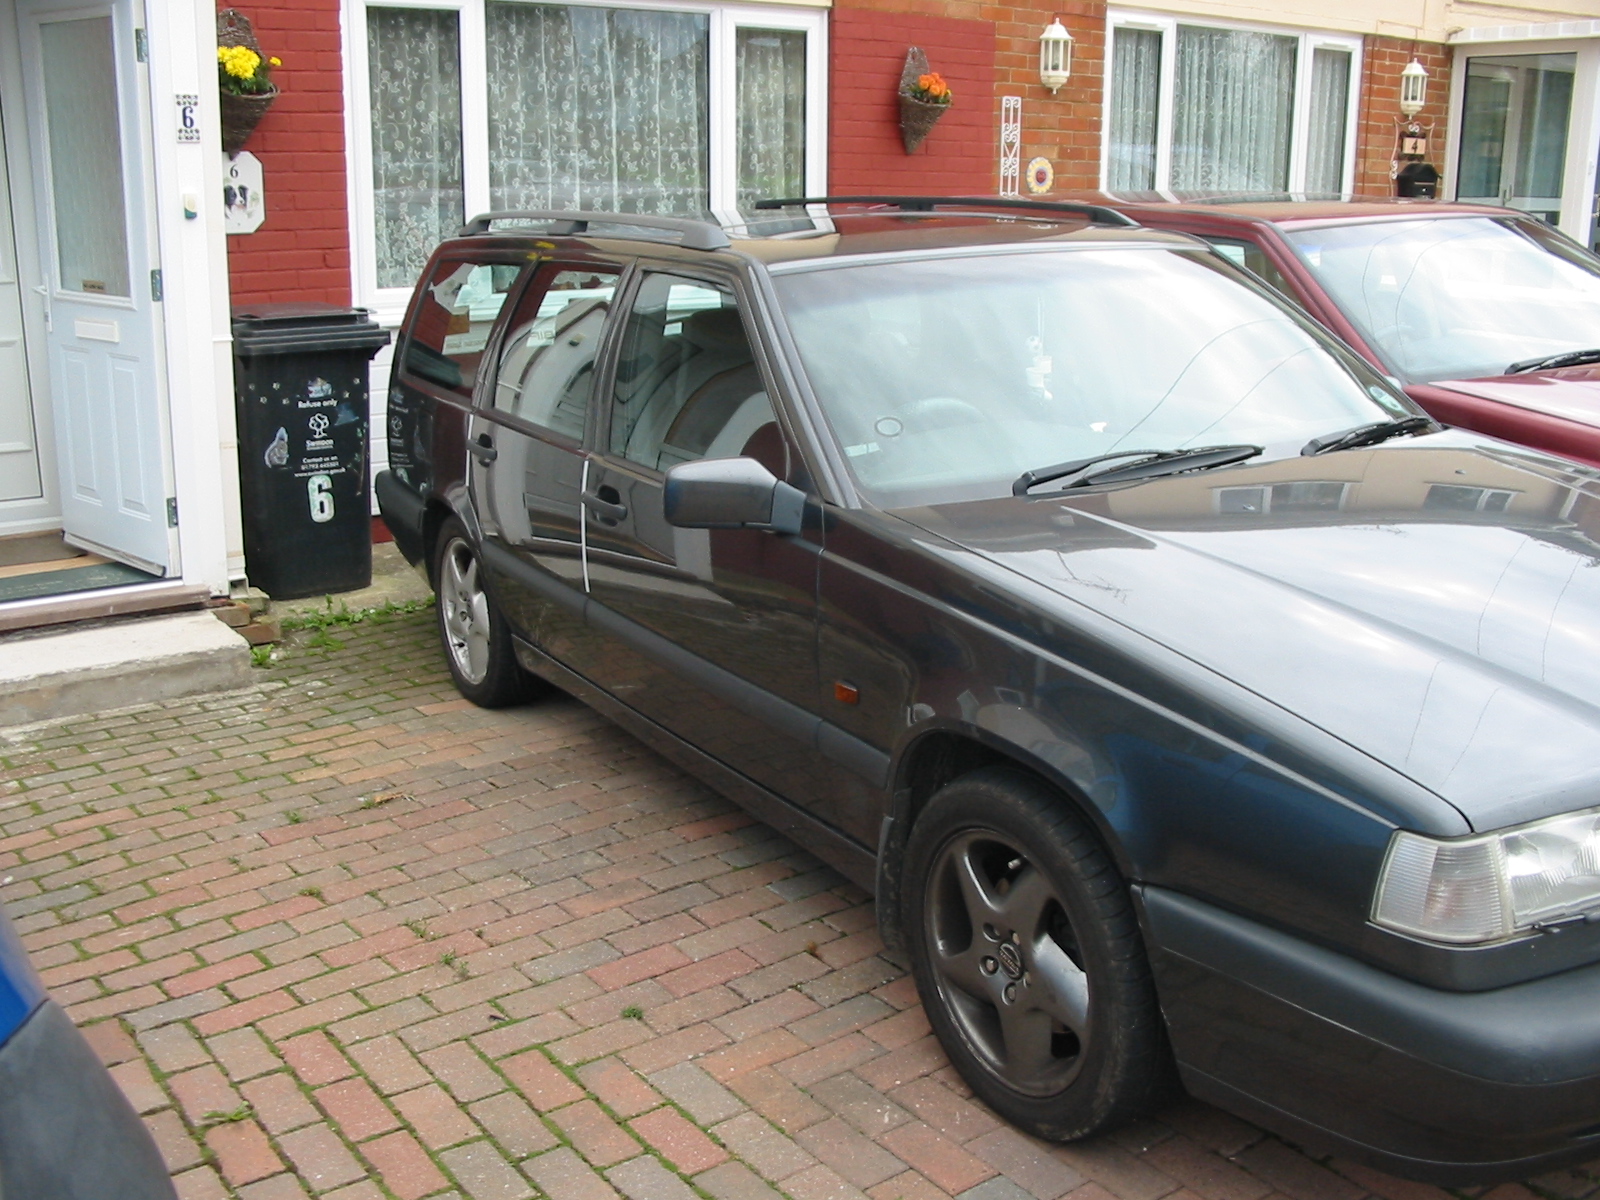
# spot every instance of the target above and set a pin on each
(188, 219)
(25, 516)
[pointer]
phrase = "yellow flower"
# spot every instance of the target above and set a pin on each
(275, 61)
(239, 61)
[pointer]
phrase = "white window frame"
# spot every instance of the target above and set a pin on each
(1310, 40)
(806, 16)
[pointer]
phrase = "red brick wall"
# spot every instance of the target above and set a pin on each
(986, 51)
(302, 251)
(1382, 60)
(867, 51)
(1065, 126)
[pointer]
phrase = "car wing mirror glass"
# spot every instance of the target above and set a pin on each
(731, 493)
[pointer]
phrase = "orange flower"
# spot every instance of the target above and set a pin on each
(934, 85)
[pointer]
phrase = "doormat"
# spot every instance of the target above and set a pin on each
(98, 574)
(35, 548)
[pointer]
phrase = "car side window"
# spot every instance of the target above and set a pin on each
(546, 371)
(687, 384)
(456, 310)
(1253, 259)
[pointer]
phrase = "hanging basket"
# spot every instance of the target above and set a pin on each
(240, 114)
(917, 117)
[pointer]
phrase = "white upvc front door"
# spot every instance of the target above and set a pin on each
(86, 101)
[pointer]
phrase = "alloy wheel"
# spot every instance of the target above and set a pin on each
(1006, 962)
(465, 609)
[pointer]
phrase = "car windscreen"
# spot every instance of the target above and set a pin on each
(1457, 297)
(945, 378)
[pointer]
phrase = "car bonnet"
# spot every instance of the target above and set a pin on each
(1572, 393)
(1434, 603)
(20, 989)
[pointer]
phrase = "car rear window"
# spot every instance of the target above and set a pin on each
(455, 311)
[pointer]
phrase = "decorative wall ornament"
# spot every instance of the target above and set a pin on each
(244, 201)
(244, 79)
(1010, 144)
(1041, 176)
(924, 98)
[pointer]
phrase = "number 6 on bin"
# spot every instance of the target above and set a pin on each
(319, 489)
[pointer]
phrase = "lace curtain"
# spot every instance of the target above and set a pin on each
(1135, 103)
(414, 58)
(1330, 101)
(1233, 110)
(772, 114)
(598, 108)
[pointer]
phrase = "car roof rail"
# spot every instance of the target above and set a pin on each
(1097, 213)
(693, 234)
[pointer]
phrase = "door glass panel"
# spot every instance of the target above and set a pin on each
(546, 372)
(84, 131)
(1135, 101)
(772, 114)
(417, 189)
(687, 384)
(1514, 131)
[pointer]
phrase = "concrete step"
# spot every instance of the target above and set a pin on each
(85, 669)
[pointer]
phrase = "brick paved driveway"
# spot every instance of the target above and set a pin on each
(347, 936)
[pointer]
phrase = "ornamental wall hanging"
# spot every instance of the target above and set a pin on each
(924, 98)
(244, 79)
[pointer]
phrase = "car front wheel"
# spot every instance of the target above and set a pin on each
(475, 637)
(1028, 957)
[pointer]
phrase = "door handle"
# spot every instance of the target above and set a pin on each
(483, 450)
(606, 507)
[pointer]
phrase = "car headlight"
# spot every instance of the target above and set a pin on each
(1494, 885)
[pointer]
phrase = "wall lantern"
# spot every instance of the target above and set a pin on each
(1413, 88)
(1055, 55)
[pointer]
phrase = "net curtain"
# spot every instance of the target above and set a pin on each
(1234, 110)
(597, 108)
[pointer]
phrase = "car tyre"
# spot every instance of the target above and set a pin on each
(1029, 960)
(475, 637)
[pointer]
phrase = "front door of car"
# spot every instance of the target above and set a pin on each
(526, 446)
(710, 633)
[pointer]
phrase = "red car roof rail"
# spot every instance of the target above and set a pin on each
(1096, 213)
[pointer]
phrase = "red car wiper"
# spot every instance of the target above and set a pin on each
(1568, 358)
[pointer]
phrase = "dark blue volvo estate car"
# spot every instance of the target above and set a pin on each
(1190, 700)
(66, 1132)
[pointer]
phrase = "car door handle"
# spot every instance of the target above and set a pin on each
(483, 450)
(604, 507)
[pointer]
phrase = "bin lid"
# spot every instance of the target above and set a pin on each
(282, 328)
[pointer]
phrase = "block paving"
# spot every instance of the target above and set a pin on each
(345, 936)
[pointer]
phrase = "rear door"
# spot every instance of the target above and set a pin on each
(526, 447)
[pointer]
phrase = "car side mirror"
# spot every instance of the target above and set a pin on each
(731, 493)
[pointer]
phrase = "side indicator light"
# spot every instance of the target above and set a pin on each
(846, 693)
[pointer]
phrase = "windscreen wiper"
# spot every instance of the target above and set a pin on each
(1153, 463)
(1568, 358)
(1032, 479)
(1368, 435)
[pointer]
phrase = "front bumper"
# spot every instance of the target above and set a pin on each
(66, 1132)
(1450, 1087)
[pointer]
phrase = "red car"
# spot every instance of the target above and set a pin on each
(1488, 317)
